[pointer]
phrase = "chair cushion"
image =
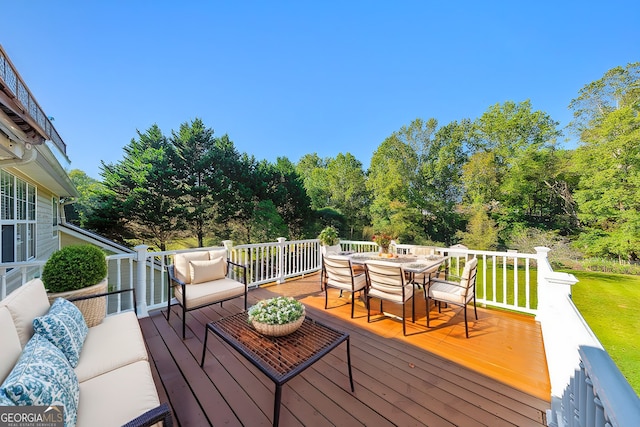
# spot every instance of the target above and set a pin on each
(181, 264)
(341, 282)
(25, 304)
(392, 293)
(210, 292)
(218, 253)
(64, 327)
(448, 292)
(467, 272)
(117, 397)
(385, 274)
(102, 352)
(206, 271)
(9, 343)
(43, 376)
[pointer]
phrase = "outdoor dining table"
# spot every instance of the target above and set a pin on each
(412, 264)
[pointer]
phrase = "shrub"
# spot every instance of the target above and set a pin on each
(74, 267)
(610, 266)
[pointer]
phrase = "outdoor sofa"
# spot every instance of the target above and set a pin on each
(110, 383)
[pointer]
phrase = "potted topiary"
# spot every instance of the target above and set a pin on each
(329, 240)
(75, 271)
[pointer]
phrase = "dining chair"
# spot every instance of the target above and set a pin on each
(423, 278)
(386, 281)
(337, 272)
(327, 251)
(458, 293)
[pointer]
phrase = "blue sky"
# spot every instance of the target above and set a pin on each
(287, 78)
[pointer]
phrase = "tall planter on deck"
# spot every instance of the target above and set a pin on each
(75, 271)
(329, 240)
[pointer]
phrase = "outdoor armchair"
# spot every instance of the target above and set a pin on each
(458, 293)
(200, 278)
(337, 272)
(387, 283)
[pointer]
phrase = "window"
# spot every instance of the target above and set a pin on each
(17, 218)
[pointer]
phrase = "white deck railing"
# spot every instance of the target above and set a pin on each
(587, 389)
(505, 279)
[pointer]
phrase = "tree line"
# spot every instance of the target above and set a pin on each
(502, 180)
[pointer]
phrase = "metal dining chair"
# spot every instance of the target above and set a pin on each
(337, 272)
(458, 293)
(387, 283)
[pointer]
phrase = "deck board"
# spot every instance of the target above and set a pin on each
(433, 377)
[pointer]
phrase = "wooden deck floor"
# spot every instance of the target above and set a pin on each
(433, 377)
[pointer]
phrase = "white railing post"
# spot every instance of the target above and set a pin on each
(281, 270)
(562, 330)
(232, 256)
(141, 281)
(228, 245)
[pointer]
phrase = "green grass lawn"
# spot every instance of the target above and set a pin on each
(610, 303)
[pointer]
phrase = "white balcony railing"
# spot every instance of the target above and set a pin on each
(587, 389)
(10, 79)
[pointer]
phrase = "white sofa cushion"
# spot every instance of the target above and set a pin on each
(9, 343)
(25, 304)
(181, 264)
(114, 343)
(116, 397)
(208, 292)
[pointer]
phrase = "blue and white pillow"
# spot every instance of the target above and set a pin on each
(43, 376)
(4, 399)
(65, 327)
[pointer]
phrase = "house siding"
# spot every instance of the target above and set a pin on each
(46, 239)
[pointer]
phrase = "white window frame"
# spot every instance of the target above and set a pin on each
(18, 213)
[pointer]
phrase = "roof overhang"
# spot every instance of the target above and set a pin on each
(36, 162)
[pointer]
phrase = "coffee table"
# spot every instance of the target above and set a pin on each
(279, 358)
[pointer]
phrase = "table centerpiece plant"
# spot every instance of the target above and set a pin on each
(277, 316)
(383, 240)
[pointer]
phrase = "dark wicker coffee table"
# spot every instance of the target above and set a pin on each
(279, 358)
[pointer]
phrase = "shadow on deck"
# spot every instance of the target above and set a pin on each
(435, 377)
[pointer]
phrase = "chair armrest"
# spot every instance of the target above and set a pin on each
(106, 294)
(244, 270)
(172, 276)
(153, 416)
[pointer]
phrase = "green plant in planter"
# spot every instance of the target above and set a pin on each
(276, 311)
(74, 267)
(329, 236)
